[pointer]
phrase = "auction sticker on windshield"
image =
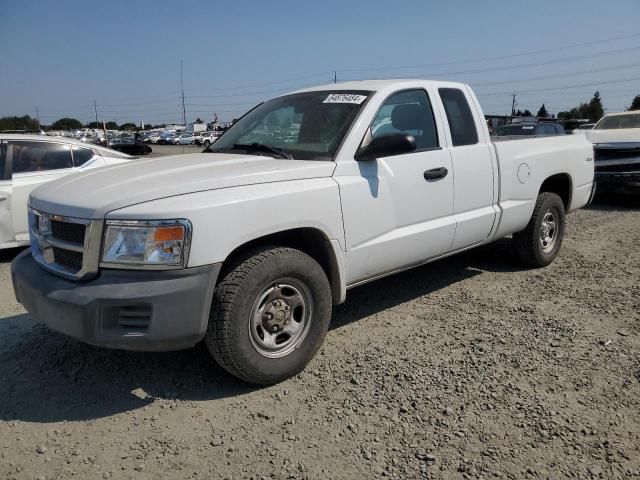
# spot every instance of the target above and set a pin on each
(345, 98)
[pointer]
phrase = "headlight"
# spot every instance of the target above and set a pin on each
(160, 244)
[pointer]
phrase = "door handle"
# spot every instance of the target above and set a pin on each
(435, 174)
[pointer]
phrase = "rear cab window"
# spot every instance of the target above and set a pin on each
(461, 122)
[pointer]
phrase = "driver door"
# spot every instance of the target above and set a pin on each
(398, 210)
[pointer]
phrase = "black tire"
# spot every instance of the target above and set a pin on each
(231, 335)
(528, 245)
(207, 143)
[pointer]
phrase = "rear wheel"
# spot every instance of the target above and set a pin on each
(269, 315)
(207, 143)
(539, 243)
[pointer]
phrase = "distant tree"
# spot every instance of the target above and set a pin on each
(198, 121)
(19, 123)
(128, 126)
(542, 113)
(518, 113)
(595, 109)
(527, 113)
(635, 104)
(66, 124)
(111, 126)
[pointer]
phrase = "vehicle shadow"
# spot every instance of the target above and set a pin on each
(46, 377)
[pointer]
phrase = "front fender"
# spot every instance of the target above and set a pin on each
(227, 218)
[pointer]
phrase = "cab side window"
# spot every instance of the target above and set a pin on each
(40, 156)
(81, 156)
(461, 122)
(407, 112)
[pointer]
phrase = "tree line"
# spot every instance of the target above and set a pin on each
(29, 123)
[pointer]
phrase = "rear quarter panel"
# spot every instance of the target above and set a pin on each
(525, 164)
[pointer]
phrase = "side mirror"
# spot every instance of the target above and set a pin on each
(387, 145)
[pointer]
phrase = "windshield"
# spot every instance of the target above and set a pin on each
(619, 121)
(507, 130)
(307, 125)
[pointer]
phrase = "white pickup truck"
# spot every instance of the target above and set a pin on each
(249, 244)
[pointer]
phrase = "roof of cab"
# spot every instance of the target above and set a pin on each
(376, 85)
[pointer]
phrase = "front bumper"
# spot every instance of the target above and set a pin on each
(125, 309)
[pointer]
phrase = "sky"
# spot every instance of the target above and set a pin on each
(60, 57)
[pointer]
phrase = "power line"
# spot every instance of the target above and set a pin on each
(532, 64)
(559, 75)
(563, 87)
(500, 57)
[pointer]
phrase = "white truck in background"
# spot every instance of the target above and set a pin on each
(249, 244)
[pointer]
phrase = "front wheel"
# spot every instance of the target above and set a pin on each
(269, 315)
(538, 244)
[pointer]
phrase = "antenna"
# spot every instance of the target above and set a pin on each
(184, 112)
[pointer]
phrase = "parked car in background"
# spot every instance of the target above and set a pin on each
(130, 145)
(538, 129)
(248, 245)
(581, 129)
(167, 139)
(616, 144)
(208, 138)
(28, 161)
(187, 139)
(152, 138)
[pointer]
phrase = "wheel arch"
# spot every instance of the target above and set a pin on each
(309, 240)
(562, 185)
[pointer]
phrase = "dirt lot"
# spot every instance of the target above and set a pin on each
(467, 368)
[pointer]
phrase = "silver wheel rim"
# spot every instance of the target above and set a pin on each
(548, 232)
(280, 318)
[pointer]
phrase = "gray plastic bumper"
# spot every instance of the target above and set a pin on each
(126, 309)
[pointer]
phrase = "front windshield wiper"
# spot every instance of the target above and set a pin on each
(262, 147)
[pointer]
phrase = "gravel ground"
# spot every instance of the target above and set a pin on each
(467, 368)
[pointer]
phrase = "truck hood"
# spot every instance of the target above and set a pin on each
(94, 193)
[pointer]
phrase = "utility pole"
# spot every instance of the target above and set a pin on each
(513, 106)
(38, 116)
(95, 108)
(184, 112)
(335, 77)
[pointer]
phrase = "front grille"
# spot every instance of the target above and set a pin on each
(67, 258)
(69, 232)
(63, 245)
